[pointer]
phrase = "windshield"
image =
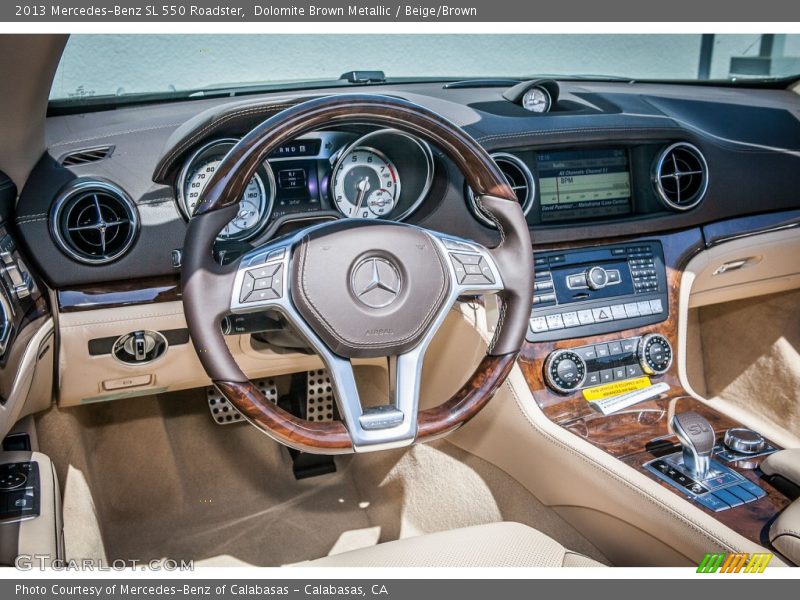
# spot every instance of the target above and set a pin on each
(129, 65)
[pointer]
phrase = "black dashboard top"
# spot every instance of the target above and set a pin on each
(749, 138)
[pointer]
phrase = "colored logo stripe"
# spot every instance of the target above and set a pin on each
(734, 563)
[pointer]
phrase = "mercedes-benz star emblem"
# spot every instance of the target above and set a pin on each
(376, 282)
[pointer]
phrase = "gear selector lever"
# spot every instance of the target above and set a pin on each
(697, 439)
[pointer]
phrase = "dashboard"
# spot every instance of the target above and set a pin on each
(604, 160)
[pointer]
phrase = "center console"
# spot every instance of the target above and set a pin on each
(602, 363)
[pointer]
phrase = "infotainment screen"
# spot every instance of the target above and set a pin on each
(583, 184)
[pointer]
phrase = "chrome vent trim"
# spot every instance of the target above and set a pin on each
(85, 156)
(94, 222)
(680, 176)
(520, 179)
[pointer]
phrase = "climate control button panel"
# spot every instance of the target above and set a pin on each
(572, 369)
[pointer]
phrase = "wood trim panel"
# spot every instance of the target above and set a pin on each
(625, 435)
(332, 437)
(29, 309)
(121, 293)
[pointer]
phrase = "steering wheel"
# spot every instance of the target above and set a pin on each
(359, 288)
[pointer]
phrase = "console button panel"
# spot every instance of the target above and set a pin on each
(19, 491)
(723, 489)
(598, 364)
(580, 293)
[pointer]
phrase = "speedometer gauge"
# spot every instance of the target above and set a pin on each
(365, 184)
(255, 205)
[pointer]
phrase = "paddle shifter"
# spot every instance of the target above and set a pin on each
(697, 439)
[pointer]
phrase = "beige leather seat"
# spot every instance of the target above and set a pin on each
(492, 545)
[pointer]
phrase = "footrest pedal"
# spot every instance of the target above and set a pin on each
(224, 413)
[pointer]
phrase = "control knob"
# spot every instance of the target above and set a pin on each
(744, 441)
(564, 371)
(596, 278)
(655, 354)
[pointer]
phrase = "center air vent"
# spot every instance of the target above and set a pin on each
(519, 178)
(681, 176)
(85, 156)
(94, 222)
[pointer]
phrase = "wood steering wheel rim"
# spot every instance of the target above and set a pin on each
(206, 300)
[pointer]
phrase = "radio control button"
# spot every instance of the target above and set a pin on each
(543, 285)
(602, 350)
(555, 322)
(618, 312)
(644, 308)
(576, 282)
(617, 251)
(613, 276)
(544, 298)
(538, 324)
(631, 309)
(585, 317)
(656, 306)
(597, 278)
(614, 348)
(603, 314)
(570, 319)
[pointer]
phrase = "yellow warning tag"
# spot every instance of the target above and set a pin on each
(615, 389)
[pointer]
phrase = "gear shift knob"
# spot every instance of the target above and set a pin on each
(697, 438)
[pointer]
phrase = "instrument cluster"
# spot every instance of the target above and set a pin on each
(382, 174)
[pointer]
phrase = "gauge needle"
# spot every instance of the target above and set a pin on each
(363, 187)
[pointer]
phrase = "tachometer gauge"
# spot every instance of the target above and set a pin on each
(365, 184)
(537, 99)
(255, 206)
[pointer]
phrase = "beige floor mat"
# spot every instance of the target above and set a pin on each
(168, 482)
(751, 358)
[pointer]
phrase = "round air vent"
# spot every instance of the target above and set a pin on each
(681, 176)
(94, 222)
(519, 178)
